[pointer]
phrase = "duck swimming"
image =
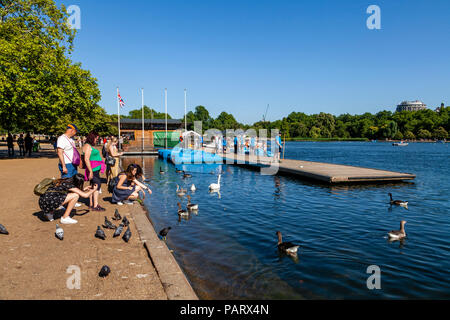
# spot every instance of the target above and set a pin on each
(186, 175)
(180, 191)
(398, 234)
(182, 212)
(286, 247)
(193, 188)
(191, 206)
(161, 171)
(398, 202)
(178, 170)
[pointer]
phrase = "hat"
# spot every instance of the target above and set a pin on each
(72, 126)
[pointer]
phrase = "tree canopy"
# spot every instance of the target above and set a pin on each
(41, 89)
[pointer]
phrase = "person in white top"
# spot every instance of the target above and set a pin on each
(65, 146)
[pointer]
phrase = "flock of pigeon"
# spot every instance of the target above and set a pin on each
(117, 229)
(59, 233)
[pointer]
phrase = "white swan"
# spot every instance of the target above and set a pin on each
(215, 186)
(193, 188)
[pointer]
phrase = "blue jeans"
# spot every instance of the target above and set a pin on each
(71, 171)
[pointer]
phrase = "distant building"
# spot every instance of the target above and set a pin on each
(411, 106)
(441, 108)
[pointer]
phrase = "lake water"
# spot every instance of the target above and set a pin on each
(228, 250)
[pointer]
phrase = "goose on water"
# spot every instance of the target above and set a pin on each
(286, 247)
(191, 206)
(180, 191)
(193, 188)
(398, 202)
(398, 234)
(215, 186)
(186, 175)
(182, 212)
(161, 171)
(178, 170)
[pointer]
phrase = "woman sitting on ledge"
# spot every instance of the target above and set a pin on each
(64, 192)
(128, 186)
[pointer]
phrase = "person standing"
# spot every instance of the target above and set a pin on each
(10, 142)
(21, 143)
(235, 144)
(65, 148)
(28, 144)
(280, 146)
(114, 153)
(94, 164)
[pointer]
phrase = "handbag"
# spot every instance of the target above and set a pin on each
(110, 161)
(76, 159)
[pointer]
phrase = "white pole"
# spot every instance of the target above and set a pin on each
(185, 117)
(165, 97)
(143, 132)
(118, 114)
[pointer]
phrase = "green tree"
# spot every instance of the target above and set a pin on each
(409, 135)
(314, 133)
(148, 114)
(440, 133)
(424, 134)
(40, 88)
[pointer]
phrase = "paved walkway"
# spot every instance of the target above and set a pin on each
(34, 264)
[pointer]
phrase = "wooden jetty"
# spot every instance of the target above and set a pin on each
(319, 171)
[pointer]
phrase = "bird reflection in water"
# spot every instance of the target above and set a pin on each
(277, 192)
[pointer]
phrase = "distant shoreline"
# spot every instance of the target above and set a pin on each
(355, 140)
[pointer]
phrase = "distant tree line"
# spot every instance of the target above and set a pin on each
(424, 124)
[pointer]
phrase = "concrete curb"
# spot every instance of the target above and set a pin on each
(174, 281)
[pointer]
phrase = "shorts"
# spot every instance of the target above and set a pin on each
(97, 180)
(71, 171)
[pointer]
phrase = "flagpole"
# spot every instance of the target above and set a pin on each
(185, 123)
(165, 97)
(118, 115)
(143, 131)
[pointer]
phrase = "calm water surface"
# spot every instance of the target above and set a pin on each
(228, 250)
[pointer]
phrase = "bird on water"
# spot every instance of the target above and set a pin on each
(193, 188)
(286, 247)
(215, 186)
(163, 233)
(161, 171)
(398, 202)
(180, 191)
(398, 234)
(186, 175)
(191, 206)
(182, 212)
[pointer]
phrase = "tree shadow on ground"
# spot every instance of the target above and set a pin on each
(59, 213)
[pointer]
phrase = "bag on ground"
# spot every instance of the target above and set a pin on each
(43, 186)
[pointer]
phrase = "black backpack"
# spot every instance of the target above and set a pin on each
(112, 184)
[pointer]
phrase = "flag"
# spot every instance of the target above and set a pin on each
(121, 102)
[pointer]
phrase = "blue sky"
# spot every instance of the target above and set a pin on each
(239, 56)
